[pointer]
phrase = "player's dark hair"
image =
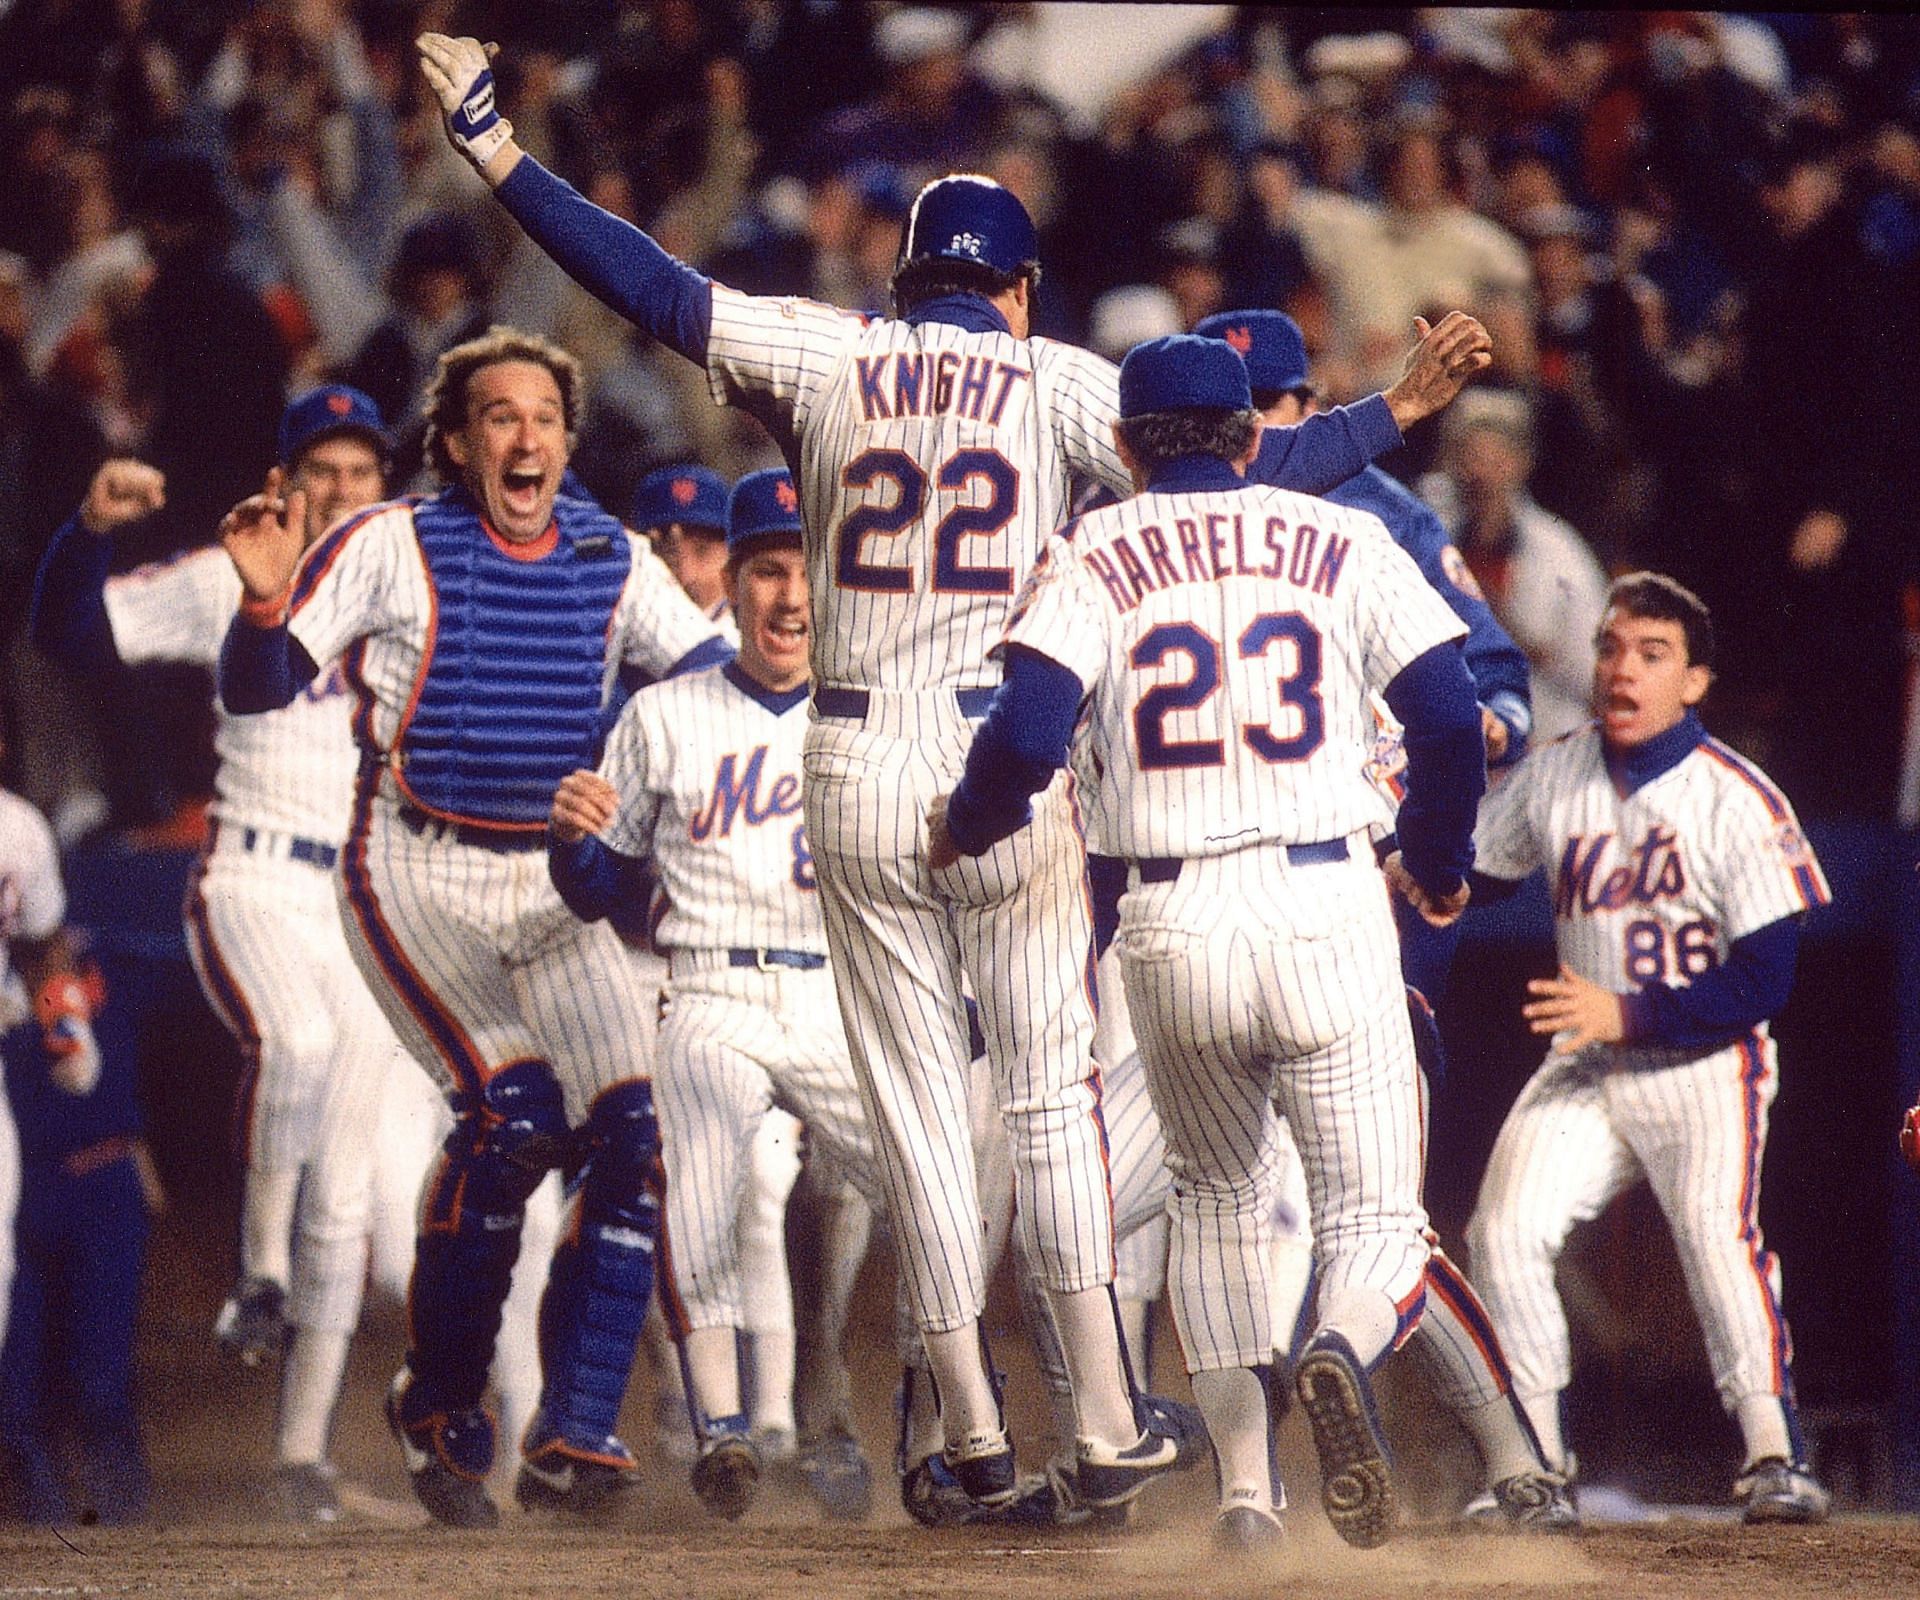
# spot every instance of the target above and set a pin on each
(446, 402)
(933, 277)
(1655, 597)
(1157, 437)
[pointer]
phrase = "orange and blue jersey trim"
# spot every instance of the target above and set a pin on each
(318, 561)
(1444, 1279)
(229, 1001)
(1813, 892)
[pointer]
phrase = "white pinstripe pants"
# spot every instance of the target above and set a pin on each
(478, 963)
(1255, 984)
(1589, 1126)
(735, 1042)
(265, 937)
(1017, 923)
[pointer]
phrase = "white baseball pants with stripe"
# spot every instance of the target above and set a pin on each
(264, 934)
(1017, 923)
(735, 1043)
(1256, 984)
(478, 963)
(1587, 1127)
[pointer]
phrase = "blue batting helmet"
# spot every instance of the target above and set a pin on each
(965, 217)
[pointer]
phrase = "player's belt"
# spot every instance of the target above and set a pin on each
(852, 704)
(1164, 869)
(262, 841)
(472, 833)
(762, 960)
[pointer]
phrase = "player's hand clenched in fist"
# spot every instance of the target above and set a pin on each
(122, 491)
(1440, 911)
(584, 803)
(265, 536)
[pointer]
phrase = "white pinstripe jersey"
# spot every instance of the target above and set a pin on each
(1656, 886)
(931, 464)
(33, 901)
(1228, 641)
(708, 775)
(371, 594)
(290, 770)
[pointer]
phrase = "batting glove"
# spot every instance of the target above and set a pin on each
(1910, 1137)
(65, 1010)
(457, 70)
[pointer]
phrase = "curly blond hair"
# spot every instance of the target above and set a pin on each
(447, 389)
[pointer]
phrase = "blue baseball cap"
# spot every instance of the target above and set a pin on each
(1183, 372)
(321, 413)
(965, 217)
(764, 505)
(689, 493)
(1270, 344)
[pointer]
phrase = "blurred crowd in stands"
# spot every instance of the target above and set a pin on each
(1695, 238)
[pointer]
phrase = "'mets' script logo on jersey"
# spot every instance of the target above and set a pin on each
(1218, 545)
(736, 794)
(1650, 871)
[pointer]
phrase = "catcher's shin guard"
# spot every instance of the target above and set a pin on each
(602, 1276)
(502, 1142)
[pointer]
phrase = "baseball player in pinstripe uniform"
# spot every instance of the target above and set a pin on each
(499, 593)
(702, 777)
(1679, 879)
(683, 509)
(262, 919)
(932, 453)
(1224, 640)
(1455, 1341)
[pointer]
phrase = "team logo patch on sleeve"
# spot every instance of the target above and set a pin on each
(1792, 845)
(1454, 565)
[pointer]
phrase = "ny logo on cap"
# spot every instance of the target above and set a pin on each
(683, 491)
(783, 492)
(967, 242)
(339, 404)
(1240, 338)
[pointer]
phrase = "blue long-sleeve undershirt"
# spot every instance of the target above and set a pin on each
(1022, 741)
(69, 616)
(1724, 1003)
(262, 669)
(1446, 766)
(612, 260)
(595, 880)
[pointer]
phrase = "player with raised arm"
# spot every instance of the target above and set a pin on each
(1679, 879)
(1224, 641)
(933, 452)
(262, 919)
(497, 592)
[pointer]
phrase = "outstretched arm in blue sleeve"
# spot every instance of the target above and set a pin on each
(612, 259)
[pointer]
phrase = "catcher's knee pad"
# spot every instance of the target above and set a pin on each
(602, 1274)
(504, 1138)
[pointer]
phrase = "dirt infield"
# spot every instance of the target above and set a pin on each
(212, 1532)
(1164, 1557)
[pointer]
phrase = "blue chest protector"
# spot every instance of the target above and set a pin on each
(509, 697)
